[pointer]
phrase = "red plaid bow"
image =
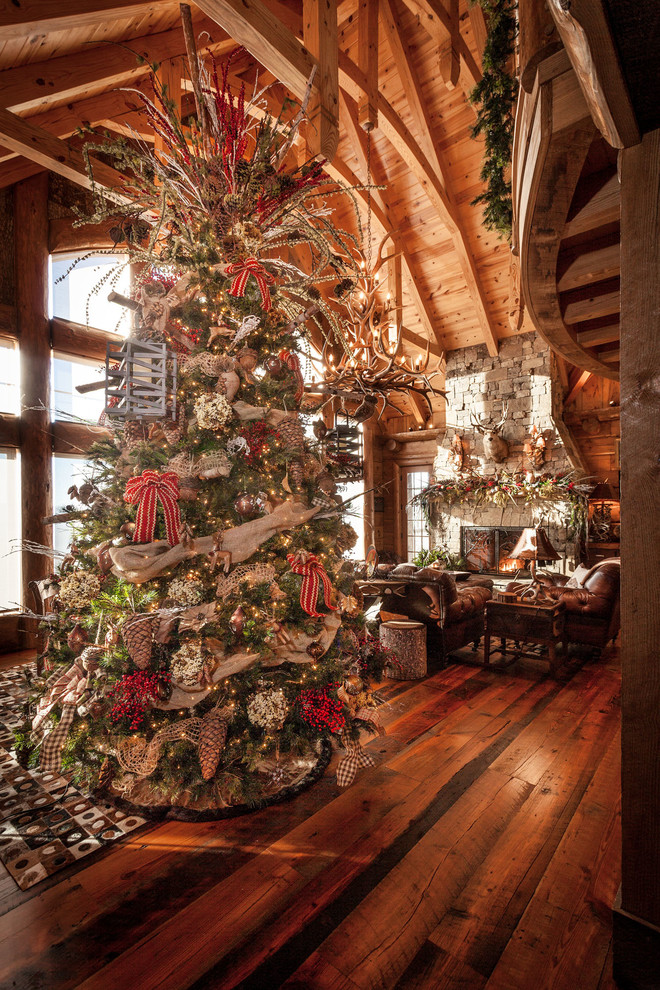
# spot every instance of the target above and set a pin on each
(355, 758)
(146, 491)
(292, 362)
(242, 271)
(311, 569)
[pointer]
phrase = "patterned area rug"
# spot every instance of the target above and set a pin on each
(46, 823)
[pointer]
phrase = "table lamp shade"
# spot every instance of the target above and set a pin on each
(534, 545)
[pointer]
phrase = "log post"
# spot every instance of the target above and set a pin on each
(31, 241)
(637, 920)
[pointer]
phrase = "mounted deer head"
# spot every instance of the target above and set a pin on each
(495, 446)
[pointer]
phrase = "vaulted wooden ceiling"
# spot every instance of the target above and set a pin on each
(62, 64)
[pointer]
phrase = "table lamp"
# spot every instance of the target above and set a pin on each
(534, 546)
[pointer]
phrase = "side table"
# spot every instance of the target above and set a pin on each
(525, 622)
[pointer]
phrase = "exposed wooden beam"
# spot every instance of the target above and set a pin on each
(433, 183)
(75, 338)
(253, 25)
(419, 409)
(584, 27)
(417, 103)
(423, 342)
(478, 25)
(601, 208)
(49, 152)
(65, 120)
(595, 264)
(63, 236)
(357, 137)
(450, 60)
(436, 20)
(32, 85)
(610, 357)
(16, 170)
(320, 38)
(76, 438)
(7, 319)
(367, 18)
(22, 18)
(599, 335)
(577, 386)
(592, 303)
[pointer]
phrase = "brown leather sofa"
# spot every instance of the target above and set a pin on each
(452, 611)
(591, 598)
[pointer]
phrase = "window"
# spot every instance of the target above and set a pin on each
(354, 515)
(417, 536)
(67, 471)
(80, 294)
(10, 529)
(10, 399)
(66, 374)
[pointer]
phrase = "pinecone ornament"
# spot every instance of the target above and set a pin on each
(296, 473)
(212, 737)
(292, 435)
(174, 431)
(135, 434)
(137, 633)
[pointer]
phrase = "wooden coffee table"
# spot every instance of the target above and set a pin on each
(525, 622)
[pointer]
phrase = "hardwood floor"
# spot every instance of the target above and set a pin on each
(481, 852)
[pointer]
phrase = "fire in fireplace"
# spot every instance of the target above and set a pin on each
(487, 549)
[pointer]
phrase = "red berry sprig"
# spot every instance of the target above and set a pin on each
(320, 710)
(134, 694)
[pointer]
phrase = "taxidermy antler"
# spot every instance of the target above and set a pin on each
(145, 561)
(495, 446)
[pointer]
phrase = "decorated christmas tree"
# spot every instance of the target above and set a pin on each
(205, 640)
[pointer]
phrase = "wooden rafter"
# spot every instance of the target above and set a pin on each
(252, 24)
(437, 21)
(367, 18)
(357, 137)
(42, 149)
(450, 59)
(29, 17)
(577, 385)
(32, 85)
(320, 37)
(432, 173)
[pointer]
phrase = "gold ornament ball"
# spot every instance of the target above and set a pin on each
(247, 505)
(353, 684)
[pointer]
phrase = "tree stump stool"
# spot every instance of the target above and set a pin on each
(408, 641)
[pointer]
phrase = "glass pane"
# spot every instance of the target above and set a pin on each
(66, 374)
(80, 294)
(68, 470)
(10, 399)
(10, 529)
(355, 516)
(417, 537)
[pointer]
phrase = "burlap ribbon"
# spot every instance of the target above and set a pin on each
(66, 688)
(355, 758)
(312, 571)
(292, 361)
(146, 491)
(241, 270)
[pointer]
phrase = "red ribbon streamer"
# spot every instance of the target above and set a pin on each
(292, 362)
(242, 271)
(311, 569)
(146, 491)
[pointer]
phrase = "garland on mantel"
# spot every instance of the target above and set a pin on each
(494, 97)
(508, 488)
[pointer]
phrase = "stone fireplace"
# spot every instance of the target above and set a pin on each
(524, 377)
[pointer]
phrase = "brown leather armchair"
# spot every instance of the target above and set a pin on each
(591, 599)
(453, 612)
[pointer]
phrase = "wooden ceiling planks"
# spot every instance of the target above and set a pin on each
(424, 151)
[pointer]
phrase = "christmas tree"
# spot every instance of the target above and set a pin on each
(207, 640)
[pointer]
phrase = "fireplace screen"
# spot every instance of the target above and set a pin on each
(487, 549)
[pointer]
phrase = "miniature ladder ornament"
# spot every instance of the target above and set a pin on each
(241, 270)
(309, 566)
(146, 491)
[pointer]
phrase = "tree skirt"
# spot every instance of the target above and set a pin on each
(46, 823)
(281, 780)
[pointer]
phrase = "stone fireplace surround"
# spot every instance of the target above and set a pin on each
(523, 374)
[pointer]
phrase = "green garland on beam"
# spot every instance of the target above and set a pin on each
(494, 97)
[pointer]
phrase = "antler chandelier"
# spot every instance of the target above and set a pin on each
(373, 364)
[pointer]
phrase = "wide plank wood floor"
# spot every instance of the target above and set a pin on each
(481, 852)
